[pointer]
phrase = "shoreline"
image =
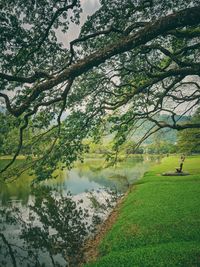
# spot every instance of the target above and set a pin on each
(156, 224)
(91, 252)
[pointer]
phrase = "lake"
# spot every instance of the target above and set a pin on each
(89, 184)
(90, 175)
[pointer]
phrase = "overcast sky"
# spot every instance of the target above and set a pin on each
(89, 7)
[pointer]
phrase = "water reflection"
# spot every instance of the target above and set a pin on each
(90, 175)
(51, 232)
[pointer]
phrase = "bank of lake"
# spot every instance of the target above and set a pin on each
(158, 222)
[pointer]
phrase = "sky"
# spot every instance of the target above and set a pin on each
(89, 7)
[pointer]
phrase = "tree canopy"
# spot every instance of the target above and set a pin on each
(132, 61)
(189, 139)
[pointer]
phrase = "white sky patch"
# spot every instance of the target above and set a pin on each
(89, 7)
(185, 90)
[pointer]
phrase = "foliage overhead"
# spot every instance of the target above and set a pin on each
(132, 60)
(189, 139)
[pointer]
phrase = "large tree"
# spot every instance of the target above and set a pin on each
(132, 60)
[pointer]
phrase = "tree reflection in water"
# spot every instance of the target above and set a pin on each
(52, 232)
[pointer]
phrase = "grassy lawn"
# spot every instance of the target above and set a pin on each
(159, 221)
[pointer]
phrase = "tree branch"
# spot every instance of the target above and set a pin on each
(31, 79)
(26, 120)
(183, 18)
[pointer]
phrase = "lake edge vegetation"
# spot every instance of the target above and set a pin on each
(158, 223)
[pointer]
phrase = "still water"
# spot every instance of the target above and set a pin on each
(90, 175)
(63, 223)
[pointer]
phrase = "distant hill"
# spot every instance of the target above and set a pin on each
(165, 134)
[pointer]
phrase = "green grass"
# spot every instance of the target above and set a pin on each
(159, 221)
